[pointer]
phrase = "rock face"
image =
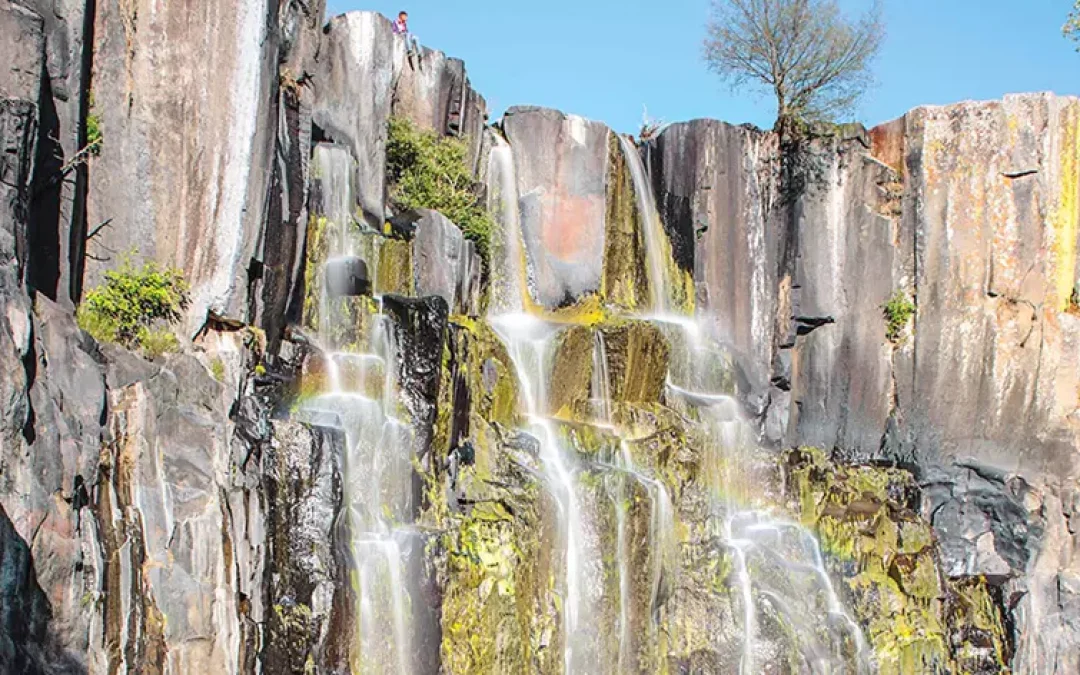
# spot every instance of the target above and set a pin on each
(561, 164)
(445, 263)
(724, 235)
(437, 95)
(357, 67)
(57, 239)
(799, 290)
(904, 296)
(188, 136)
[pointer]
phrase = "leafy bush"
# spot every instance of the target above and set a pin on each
(898, 312)
(134, 307)
(427, 171)
(1073, 306)
(93, 129)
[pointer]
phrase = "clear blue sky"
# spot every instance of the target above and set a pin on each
(605, 59)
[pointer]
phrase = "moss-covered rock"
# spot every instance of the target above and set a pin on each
(915, 619)
(637, 354)
(571, 370)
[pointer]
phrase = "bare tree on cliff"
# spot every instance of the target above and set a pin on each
(1072, 25)
(812, 57)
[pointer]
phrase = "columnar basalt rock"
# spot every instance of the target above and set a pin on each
(561, 166)
(58, 237)
(716, 188)
(169, 515)
(359, 63)
(435, 93)
(186, 109)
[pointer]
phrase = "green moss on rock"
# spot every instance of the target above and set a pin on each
(915, 619)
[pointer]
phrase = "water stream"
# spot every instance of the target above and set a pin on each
(776, 564)
(360, 398)
(657, 248)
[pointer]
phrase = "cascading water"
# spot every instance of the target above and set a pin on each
(360, 397)
(777, 565)
(657, 250)
(507, 250)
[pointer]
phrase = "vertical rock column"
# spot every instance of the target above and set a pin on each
(185, 100)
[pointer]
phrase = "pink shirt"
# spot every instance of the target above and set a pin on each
(401, 27)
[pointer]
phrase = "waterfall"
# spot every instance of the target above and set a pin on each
(657, 248)
(700, 387)
(508, 282)
(359, 397)
(528, 341)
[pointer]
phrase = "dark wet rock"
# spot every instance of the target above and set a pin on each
(420, 326)
(347, 276)
(310, 600)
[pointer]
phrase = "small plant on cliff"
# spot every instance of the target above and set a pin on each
(898, 312)
(93, 133)
(93, 129)
(807, 53)
(135, 306)
(427, 171)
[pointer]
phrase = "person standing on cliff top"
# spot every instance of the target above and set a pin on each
(401, 27)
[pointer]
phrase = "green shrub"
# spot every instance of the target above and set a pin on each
(93, 129)
(1073, 306)
(134, 308)
(427, 171)
(898, 312)
(155, 343)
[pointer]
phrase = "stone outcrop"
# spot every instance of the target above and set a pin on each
(803, 259)
(561, 164)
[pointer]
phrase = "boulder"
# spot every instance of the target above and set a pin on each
(445, 263)
(561, 162)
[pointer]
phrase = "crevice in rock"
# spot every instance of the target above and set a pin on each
(1019, 173)
(43, 239)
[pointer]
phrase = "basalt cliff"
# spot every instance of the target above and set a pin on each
(707, 402)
